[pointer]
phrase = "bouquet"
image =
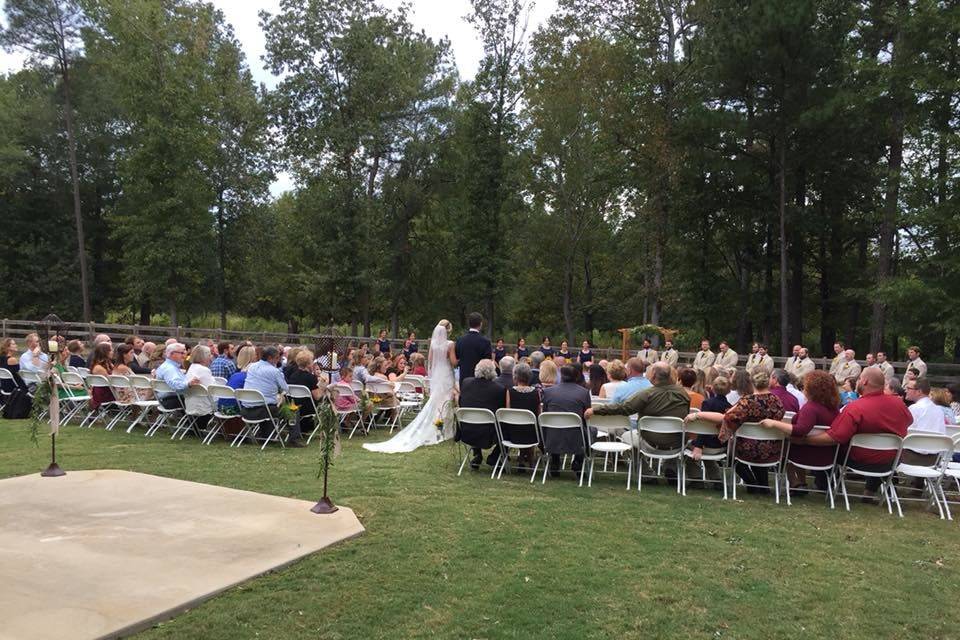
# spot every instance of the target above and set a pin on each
(288, 412)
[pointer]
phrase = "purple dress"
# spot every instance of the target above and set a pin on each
(811, 414)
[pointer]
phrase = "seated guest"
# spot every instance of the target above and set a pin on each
(664, 397)
(688, 378)
(742, 385)
(617, 375)
(536, 359)
(545, 347)
(122, 359)
(360, 367)
(598, 378)
(717, 403)
(223, 365)
(636, 381)
(10, 361)
(549, 372)
(759, 405)
(305, 374)
(927, 418)
(101, 338)
(200, 359)
(585, 355)
(171, 372)
(778, 387)
(954, 390)
(417, 365)
(892, 387)
(345, 399)
(873, 412)
(102, 362)
(33, 359)
(570, 397)
(522, 395)
(848, 392)
(246, 356)
(941, 397)
(820, 409)
(60, 366)
(397, 370)
(265, 377)
(482, 392)
(505, 379)
(794, 388)
(75, 349)
(499, 352)
(290, 361)
(565, 352)
(378, 371)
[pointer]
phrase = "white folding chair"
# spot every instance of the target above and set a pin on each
(220, 380)
(71, 404)
(611, 425)
(161, 388)
(123, 398)
(718, 455)
(409, 402)
(250, 398)
(143, 390)
(828, 469)
(517, 419)
(336, 391)
(753, 431)
(103, 409)
(380, 388)
(218, 392)
(663, 425)
(874, 442)
(555, 426)
(6, 374)
(473, 417)
(191, 420)
(932, 475)
(308, 408)
(788, 416)
(83, 371)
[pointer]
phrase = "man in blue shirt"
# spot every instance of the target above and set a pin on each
(265, 377)
(636, 382)
(223, 365)
(34, 359)
(171, 372)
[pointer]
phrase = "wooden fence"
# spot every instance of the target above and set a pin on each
(938, 373)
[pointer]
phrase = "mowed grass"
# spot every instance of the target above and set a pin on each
(468, 557)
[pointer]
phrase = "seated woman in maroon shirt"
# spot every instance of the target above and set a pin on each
(823, 403)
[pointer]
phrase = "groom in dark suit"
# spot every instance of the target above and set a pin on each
(472, 347)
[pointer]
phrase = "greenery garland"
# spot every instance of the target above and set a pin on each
(41, 403)
(329, 438)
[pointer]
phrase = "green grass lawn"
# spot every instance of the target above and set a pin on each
(468, 557)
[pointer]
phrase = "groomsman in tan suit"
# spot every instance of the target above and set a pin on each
(753, 357)
(669, 354)
(727, 358)
(763, 362)
(884, 366)
(806, 364)
(849, 368)
(793, 361)
(704, 358)
(648, 354)
(915, 364)
(837, 358)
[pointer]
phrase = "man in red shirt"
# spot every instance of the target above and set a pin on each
(873, 412)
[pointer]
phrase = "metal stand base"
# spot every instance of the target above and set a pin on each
(324, 506)
(53, 471)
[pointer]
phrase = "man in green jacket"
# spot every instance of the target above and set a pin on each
(664, 398)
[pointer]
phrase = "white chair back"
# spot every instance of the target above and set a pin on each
(475, 416)
(70, 378)
(701, 427)
(30, 377)
(220, 380)
(93, 381)
(250, 398)
(929, 443)
(753, 431)
(221, 392)
(380, 387)
(660, 424)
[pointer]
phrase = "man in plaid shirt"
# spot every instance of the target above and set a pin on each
(223, 365)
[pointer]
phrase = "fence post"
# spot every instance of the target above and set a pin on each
(93, 332)
(179, 328)
(4, 327)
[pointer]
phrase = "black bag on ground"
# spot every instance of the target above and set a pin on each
(18, 405)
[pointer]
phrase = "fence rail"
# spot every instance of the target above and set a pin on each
(937, 372)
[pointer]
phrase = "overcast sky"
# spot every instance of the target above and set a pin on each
(438, 18)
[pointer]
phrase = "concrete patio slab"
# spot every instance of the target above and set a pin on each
(103, 554)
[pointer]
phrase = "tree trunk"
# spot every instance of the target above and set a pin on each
(852, 328)
(795, 292)
(145, 311)
(784, 303)
(567, 292)
(75, 182)
(888, 220)
(221, 262)
(587, 298)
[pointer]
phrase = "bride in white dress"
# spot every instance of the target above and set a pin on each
(423, 429)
